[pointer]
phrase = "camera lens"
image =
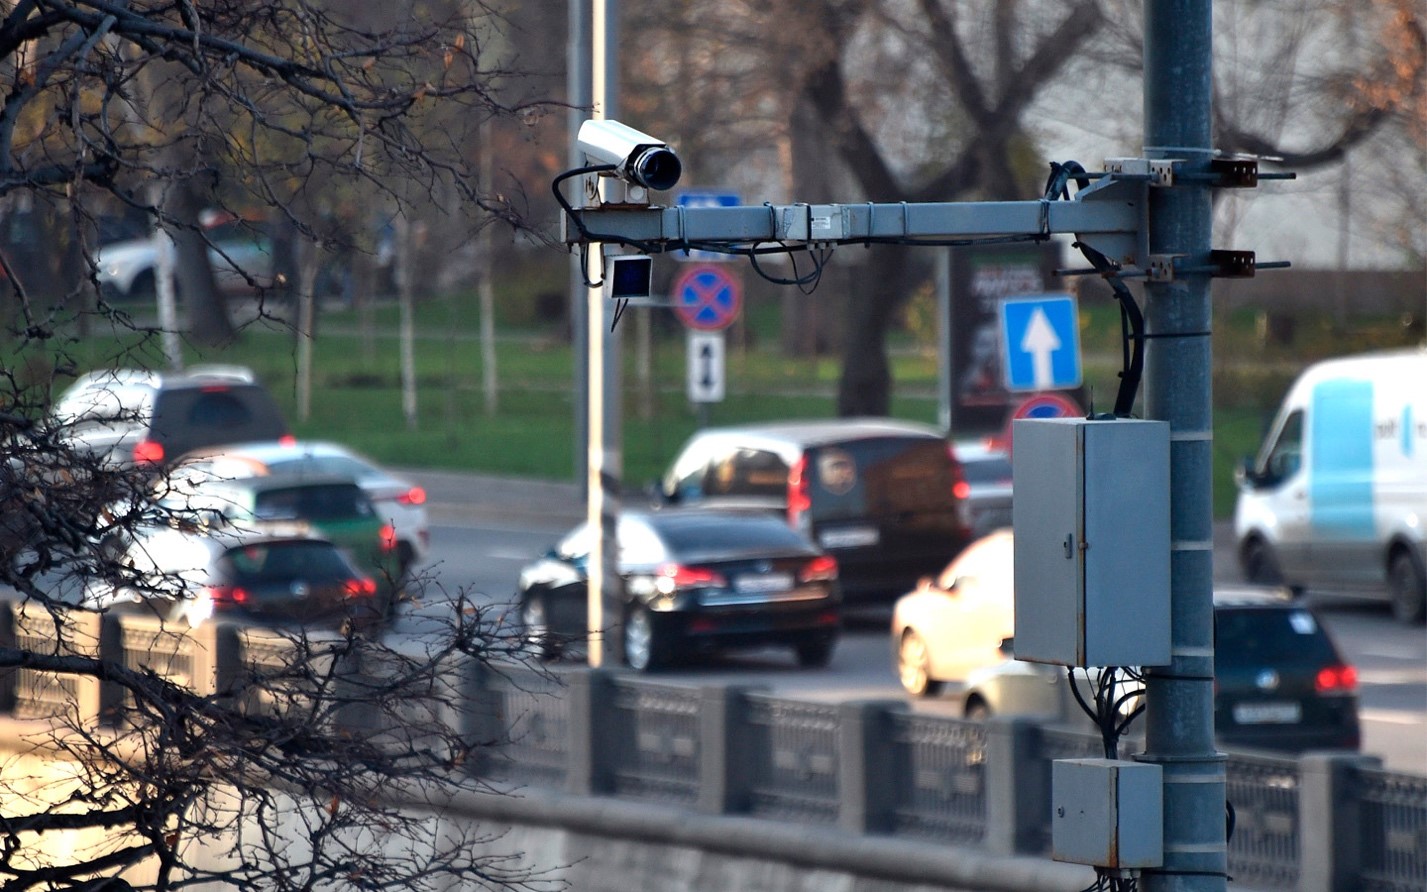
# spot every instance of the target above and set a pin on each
(655, 168)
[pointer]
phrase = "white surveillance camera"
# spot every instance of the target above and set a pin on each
(637, 157)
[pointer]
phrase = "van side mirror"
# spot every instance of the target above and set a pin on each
(659, 494)
(1244, 471)
(1246, 474)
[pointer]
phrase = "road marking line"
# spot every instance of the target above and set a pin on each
(1392, 676)
(1391, 716)
(1394, 653)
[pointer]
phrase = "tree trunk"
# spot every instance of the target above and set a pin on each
(879, 292)
(813, 323)
(208, 321)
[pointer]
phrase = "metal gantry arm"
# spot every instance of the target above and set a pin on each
(1108, 216)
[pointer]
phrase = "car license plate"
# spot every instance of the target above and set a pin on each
(765, 582)
(1268, 713)
(849, 537)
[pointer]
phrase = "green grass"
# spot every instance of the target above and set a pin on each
(357, 386)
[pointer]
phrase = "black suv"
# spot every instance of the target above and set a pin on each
(136, 417)
(886, 498)
(1280, 681)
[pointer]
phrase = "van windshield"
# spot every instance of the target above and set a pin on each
(1284, 457)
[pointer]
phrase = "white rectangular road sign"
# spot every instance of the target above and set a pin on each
(706, 351)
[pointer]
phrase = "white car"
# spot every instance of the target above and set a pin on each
(237, 249)
(397, 501)
(954, 623)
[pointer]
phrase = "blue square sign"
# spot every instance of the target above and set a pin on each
(1040, 342)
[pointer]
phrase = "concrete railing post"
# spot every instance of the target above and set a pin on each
(227, 659)
(204, 641)
(867, 765)
(1330, 820)
(185, 656)
(482, 726)
(7, 639)
(112, 696)
(591, 694)
(724, 743)
(1017, 787)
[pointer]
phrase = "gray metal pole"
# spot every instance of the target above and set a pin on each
(605, 466)
(945, 399)
(577, 90)
(1179, 730)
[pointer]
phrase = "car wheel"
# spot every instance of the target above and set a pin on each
(535, 626)
(405, 561)
(914, 666)
(1258, 563)
(1408, 587)
(643, 649)
(815, 653)
(976, 710)
(144, 287)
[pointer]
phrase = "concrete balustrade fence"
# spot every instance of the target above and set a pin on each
(596, 740)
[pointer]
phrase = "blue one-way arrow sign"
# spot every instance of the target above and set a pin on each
(1040, 338)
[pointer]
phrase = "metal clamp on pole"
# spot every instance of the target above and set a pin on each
(1223, 264)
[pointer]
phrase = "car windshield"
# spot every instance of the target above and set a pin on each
(1269, 636)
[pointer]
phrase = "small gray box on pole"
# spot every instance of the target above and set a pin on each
(1107, 812)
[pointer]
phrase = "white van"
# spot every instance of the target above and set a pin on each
(1337, 497)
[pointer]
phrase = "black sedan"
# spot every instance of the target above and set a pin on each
(693, 580)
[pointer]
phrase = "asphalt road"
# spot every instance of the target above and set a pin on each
(485, 529)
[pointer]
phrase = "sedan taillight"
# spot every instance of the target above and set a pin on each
(148, 452)
(226, 595)
(414, 496)
(670, 578)
(819, 569)
(387, 537)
